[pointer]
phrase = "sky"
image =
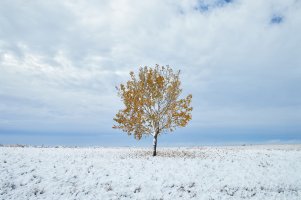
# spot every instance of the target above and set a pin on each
(61, 60)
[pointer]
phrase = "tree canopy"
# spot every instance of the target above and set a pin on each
(152, 103)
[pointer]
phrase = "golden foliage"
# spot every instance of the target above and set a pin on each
(152, 103)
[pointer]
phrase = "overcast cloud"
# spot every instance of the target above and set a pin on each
(60, 60)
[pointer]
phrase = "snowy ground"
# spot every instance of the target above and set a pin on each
(245, 172)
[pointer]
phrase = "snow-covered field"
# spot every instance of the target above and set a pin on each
(241, 172)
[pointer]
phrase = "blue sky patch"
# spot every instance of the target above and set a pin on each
(276, 19)
(204, 6)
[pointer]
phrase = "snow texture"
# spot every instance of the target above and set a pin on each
(241, 172)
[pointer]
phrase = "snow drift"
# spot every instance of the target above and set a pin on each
(241, 172)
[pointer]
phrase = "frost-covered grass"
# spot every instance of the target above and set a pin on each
(249, 172)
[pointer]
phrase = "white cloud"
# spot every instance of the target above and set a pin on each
(60, 61)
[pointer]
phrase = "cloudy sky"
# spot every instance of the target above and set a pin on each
(61, 60)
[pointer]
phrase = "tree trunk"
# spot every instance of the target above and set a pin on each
(155, 144)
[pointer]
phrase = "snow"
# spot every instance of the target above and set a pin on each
(233, 172)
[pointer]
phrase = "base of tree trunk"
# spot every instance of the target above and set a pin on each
(155, 145)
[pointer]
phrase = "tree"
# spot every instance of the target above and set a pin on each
(152, 103)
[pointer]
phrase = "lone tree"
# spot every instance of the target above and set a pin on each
(152, 103)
